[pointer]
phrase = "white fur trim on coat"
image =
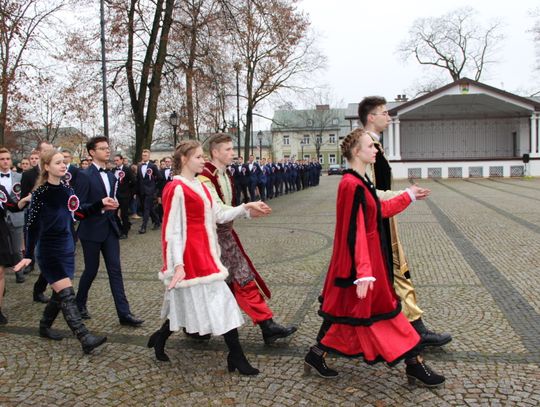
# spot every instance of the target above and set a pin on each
(178, 209)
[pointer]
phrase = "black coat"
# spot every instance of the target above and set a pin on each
(147, 184)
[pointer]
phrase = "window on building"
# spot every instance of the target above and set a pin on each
(318, 139)
(287, 156)
(331, 159)
(332, 139)
(335, 121)
(285, 140)
(306, 139)
(321, 159)
(307, 156)
(309, 122)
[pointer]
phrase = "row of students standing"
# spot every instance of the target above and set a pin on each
(266, 179)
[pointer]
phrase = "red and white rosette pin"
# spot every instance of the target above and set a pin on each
(73, 203)
(16, 188)
(149, 172)
(121, 175)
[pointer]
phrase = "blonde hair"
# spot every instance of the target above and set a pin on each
(45, 159)
(185, 148)
(351, 141)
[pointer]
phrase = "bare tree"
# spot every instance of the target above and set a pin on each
(274, 48)
(21, 22)
(454, 42)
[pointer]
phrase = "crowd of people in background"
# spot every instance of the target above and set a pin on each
(138, 192)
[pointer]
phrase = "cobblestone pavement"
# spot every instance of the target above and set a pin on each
(474, 252)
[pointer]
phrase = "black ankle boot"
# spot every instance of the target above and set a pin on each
(73, 318)
(158, 340)
(240, 362)
(417, 370)
(236, 358)
(315, 359)
(272, 331)
(430, 338)
(49, 315)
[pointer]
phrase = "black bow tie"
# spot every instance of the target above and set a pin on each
(119, 168)
(102, 170)
(5, 175)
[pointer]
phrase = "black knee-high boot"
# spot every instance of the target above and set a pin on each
(236, 358)
(158, 340)
(49, 315)
(73, 318)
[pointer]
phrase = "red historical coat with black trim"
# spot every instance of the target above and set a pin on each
(372, 327)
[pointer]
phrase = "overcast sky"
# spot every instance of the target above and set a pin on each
(351, 29)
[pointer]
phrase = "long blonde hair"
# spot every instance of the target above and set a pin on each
(45, 159)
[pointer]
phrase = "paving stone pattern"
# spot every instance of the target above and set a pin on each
(474, 252)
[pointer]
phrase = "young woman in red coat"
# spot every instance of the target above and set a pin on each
(361, 312)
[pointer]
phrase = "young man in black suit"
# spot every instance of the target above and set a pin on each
(124, 193)
(99, 233)
(148, 179)
(28, 180)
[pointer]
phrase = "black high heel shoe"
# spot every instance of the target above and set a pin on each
(241, 363)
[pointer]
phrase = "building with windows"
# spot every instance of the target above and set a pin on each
(309, 133)
(461, 130)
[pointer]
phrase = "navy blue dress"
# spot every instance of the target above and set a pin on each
(50, 232)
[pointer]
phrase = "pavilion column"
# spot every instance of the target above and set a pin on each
(397, 143)
(534, 135)
(390, 141)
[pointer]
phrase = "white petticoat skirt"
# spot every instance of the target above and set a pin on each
(203, 308)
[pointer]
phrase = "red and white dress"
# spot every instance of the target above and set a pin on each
(373, 327)
(202, 302)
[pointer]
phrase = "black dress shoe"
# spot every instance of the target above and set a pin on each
(123, 236)
(142, 230)
(40, 297)
(430, 338)
(156, 226)
(130, 320)
(84, 313)
(19, 277)
(272, 331)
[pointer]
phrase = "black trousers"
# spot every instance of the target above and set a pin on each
(122, 214)
(149, 210)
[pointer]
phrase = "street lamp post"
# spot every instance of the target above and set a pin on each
(260, 137)
(173, 120)
(237, 68)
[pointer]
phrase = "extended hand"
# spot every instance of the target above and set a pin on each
(258, 208)
(22, 264)
(179, 275)
(419, 193)
(362, 288)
